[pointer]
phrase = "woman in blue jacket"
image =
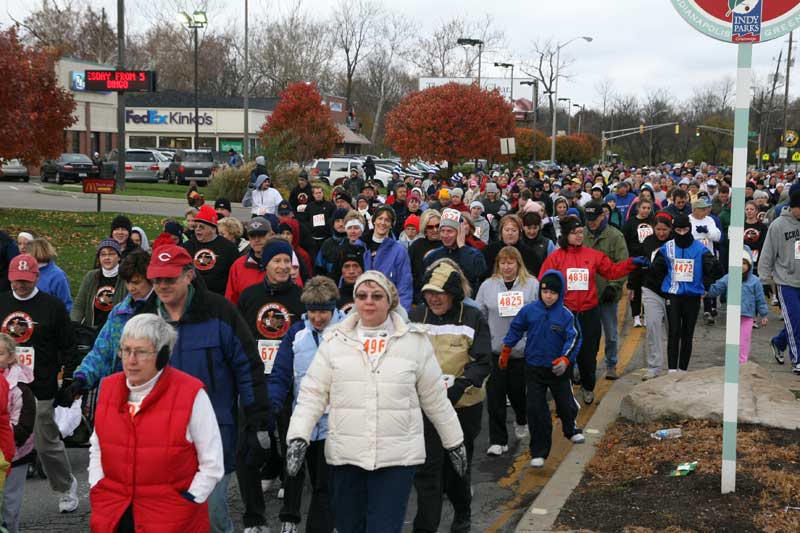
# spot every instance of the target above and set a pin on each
(385, 254)
(52, 279)
(295, 354)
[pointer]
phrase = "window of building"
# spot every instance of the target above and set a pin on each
(76, 142)
(207, 143)
(95, 142)
(174, 142)
(141, 141)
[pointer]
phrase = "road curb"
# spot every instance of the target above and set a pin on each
(120, 198)
(544, 510)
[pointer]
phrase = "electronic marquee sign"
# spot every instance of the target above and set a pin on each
(120, 80)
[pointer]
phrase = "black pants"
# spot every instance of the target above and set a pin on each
(710, 305)
(682, 314)
(511, 382)
(249, 485)
(591, 329)
(126, 523)
(635, 286)
(540, 423)
(437, 474)
(320, 517)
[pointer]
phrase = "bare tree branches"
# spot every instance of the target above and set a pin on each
(354, 21)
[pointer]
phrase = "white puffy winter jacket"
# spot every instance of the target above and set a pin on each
(375, 419)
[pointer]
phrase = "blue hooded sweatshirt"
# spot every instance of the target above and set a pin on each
(555, 329)
(754, 303)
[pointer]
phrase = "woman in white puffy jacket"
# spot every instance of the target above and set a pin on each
(373, 371)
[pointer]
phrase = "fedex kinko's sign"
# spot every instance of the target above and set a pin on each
(741, 21)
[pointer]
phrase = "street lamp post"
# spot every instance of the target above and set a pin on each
(555, 91)
(474, 42)
(194, 22)
(580, 116)
(534, 108)
(511, 66)
(246, 134)
(569, 113)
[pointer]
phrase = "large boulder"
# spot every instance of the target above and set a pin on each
(699, 394)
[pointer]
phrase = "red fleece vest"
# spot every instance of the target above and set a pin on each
(146, 459)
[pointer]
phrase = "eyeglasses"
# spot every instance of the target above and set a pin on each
(432, 226)
(108, 254)
(126, 353)
(375, 296)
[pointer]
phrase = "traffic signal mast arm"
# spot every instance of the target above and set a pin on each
(625, 132)
(724, 131)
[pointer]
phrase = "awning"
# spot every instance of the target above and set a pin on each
(351, 137)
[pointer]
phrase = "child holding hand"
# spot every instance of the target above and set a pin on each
(558, 340)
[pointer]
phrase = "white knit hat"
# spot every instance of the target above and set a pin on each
(383, 282)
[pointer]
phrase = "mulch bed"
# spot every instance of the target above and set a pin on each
(627, 487)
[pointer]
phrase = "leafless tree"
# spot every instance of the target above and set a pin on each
(354, 35)
(543, 67)
(605, 93)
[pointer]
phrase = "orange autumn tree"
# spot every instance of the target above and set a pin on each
(34, 110)
(452, 122)
(301, 124)
(531, 143)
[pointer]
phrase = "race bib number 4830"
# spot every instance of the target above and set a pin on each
(577, 279)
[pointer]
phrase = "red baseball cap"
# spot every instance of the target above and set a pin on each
(207, 215)
(23, 267)
(168, 262)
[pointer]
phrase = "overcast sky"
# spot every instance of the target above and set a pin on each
(640, 45)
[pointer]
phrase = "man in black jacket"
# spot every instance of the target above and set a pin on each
(212, 255)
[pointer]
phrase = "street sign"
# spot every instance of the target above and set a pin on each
(790, 138)
(120, 80)
(752, 134)
(508, 146)
(765, 157)
(99, 186)
(783, 152)
(796, 156)
(741, 21)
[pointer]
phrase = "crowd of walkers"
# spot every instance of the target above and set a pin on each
(354, 336)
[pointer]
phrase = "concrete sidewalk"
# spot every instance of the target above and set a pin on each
(708, 350)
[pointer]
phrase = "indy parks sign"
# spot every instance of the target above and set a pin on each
(741, 21)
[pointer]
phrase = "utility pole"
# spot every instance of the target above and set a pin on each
(121, 97)
(769, 104)
(786, 97)
(246, 136)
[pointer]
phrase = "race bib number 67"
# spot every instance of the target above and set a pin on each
(267, 350)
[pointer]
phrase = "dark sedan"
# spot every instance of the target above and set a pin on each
(69, 167)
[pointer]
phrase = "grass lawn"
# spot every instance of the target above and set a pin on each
(160, 190)
(74, 234)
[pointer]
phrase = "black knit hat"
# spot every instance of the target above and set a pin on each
(551, 282)
(569, 224)
(351, 253)
(121, 221)
(794, 199)
(681, 220)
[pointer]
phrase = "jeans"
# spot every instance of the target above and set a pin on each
(370, 501)
(682, 314)
(540, 421)
(13, 493)
(50, 448)
(218, 514)
(510, 382)
(656, 312)
(608, 317)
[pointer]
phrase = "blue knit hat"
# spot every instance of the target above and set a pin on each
(109, 243)
(273, 248)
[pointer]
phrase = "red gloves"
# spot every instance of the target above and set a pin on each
(505, 353)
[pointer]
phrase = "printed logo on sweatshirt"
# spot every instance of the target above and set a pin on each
(19, 326)
(104, 298)
(205, 259)
(273, 321)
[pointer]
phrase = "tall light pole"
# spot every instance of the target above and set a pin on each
(246, 136)
(580, 116)
(555, 93)
(569, 113)
(511, 66)
(194, 22)
(474, 42)
(121, 146)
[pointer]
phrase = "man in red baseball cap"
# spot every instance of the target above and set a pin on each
(211, 254)
(40, 325)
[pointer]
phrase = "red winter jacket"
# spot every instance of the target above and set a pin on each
(147, 461)
(243, 273)
(6, 432)
(576, 261)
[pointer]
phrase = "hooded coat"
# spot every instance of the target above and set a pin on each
(780, 255)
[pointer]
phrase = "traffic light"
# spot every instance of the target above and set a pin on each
(697, 132)
(677, 129)
(641, 129)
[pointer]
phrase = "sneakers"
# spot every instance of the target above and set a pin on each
(286, 527)
(462, 523)
(708, 318)
(775, 301)
(520, 430)
(68, 501)
(755, 325)
(280, 494)
(588, 396)
(777, 353)
(496, 450)
(650, 374)
(537, 462)
(637, 322)
(258, 529)
(796, 369)
(611, 373)
(578, 438)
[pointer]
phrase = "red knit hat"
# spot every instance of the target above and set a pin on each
(207, 215)
(411, 220)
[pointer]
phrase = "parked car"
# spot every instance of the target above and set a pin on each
(69, 167)
(141, 164)
(192, 165)
(15, 170)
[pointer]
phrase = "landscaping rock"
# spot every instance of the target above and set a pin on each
(699, 395)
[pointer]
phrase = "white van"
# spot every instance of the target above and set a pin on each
(335, 170)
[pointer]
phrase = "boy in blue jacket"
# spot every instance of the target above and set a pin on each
(558, 340)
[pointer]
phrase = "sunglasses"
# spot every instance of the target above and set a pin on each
(432, 226)
(375, 297)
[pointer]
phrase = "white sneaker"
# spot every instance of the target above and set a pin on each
(520, 430)
(650, 374)
(578, 438)
(775, 301)
(256, 529)
(537, 462)
(796, 369)
(280, 494)
(496, 450)
(588, 396)
(637, 322)
(68, 501)
(288, 527)
(270, 484)
(672, 371)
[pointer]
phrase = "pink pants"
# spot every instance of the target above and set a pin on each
(744, 338)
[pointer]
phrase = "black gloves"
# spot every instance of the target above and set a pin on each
(255, 445)
(64, 396)
(295, 455)
(702, 229)
(609, 295)
(456, 390)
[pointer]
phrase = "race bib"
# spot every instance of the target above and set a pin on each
(375, 346)
(318, 220)
(448, 379)
(577, 279)
(268, 349)
(26, 356)
(451, 214)
(644, 231)
(509, 303)
(683, 270)
(797, 249)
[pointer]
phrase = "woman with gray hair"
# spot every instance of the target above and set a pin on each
(156, 453)
(372, 373)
